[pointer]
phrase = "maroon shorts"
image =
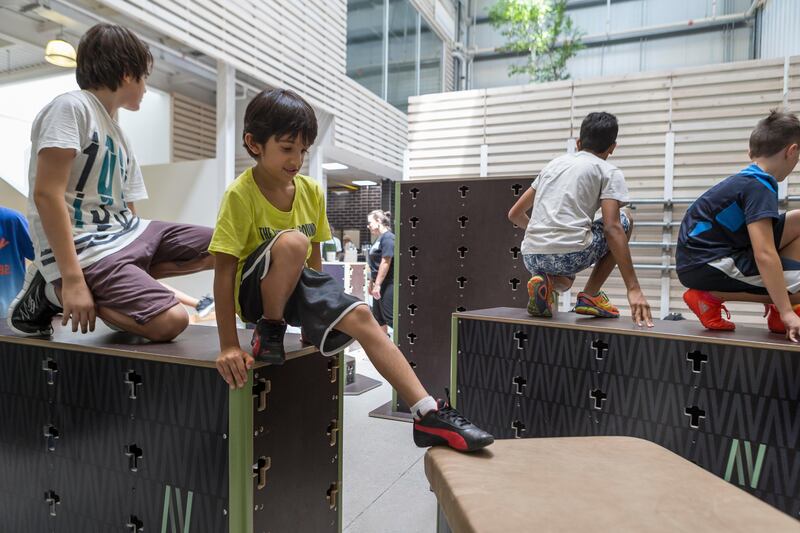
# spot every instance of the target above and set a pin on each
(122, 281)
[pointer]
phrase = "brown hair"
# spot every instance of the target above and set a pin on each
(279, 112)
(384, 218)
(107, 53)
(774, 133)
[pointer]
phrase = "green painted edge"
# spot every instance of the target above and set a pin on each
(340, 446)
(165, 516)
(453, 359)
(396, 275)
(240, 458)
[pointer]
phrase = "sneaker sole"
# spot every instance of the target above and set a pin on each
(205, 312)
(594, 311)
(536, 310)
(30, 273)
(423, 439)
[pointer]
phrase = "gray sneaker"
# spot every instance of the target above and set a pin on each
(205, 306)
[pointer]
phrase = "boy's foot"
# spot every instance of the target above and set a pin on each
(31, 313)
(708, 309)
(774, 322)
(267, 341)
(597, 305)
(540, 292)
(204, 306)
(445, 425)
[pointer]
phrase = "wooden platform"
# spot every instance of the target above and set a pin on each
(197, 346)
(589, 484)
(682, 330)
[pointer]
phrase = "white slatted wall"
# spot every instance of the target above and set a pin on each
(194, 129)
(710, 110)
(297, 44)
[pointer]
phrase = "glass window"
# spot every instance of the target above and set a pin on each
(402, 68)
(365, 20)
(430, 61)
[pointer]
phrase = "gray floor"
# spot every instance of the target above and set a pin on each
(384, 484)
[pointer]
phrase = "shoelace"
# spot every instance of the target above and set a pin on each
(450, 414)
(727, 313)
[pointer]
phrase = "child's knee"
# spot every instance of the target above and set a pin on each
(167, 325)
(292, 242)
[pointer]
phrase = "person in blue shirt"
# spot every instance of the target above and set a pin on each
(15, 248)
(734, 244)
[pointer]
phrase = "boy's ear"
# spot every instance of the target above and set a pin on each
(611, 148)
(252, 144)
(791, 152)
(578, 145)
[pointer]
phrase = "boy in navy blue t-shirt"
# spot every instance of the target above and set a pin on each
(734, 245)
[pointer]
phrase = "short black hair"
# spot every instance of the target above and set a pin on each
(774, 133)
(598, 132)
(107, 53)
(279, 112)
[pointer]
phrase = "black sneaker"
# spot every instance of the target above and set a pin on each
(204, 306)
(31, 313)
(446, 426)
(267, 341)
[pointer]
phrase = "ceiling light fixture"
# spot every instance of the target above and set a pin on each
(60, 53)
(364, 183)
(334, 166)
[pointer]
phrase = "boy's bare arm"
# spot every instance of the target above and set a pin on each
(618, 246)
(315, 260)
(518, 214)
(52, 174)
(771, 270)
(232, 362)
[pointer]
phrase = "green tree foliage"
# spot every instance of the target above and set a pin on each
(543, 30)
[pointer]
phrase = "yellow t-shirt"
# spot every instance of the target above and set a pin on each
(246, 219)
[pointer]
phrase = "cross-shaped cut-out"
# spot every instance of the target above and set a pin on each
(52, 499)
(412, 364)
(461, 309)
(50, 368)
(599, 397)
(413, 250)
(516, 188)
(414, 221)
(133, 381)
(462, 281)
(519, 429)
(514, 251)
(51, 434)
(463, 190)
(462, 251)
(695, 414)
(514, 282)
(463, 219)
(134, 454)
(412, 279)
(411, 338)
(135, 525)
(412, 309)
(697, 358)
(600, 348)
(520, 383)
(414, 192)
(520, 337)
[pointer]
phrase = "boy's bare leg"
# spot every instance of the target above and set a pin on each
(182, 297)
(790, 240)
(603, 268)
(168, 269)
(561, 283)
(287, 259)
(387, 358)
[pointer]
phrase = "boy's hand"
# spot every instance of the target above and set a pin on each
(640, 309)
(792, 323)
(78, 303)
(233, 364)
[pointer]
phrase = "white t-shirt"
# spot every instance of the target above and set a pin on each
(103, 178)
(568, 193)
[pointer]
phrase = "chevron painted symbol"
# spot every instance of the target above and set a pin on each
(170, 523)
(753, 470)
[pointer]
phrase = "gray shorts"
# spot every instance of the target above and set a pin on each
(569, 264)
(122, 280)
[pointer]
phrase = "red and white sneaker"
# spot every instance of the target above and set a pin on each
(708, 309)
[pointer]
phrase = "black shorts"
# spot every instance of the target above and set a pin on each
(317, 303)
(383, 309)
(738, 272)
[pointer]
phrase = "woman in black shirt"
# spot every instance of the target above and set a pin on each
(381, 285)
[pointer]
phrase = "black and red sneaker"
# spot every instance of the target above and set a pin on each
(267, 341)
(446, 426)
(31, 313)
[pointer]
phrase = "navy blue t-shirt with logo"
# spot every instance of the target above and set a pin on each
(715, 225)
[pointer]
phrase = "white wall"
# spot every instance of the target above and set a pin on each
(780, 30)
(183, 192)
(149, 128)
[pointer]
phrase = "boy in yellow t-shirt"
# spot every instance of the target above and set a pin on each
(268, 270)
